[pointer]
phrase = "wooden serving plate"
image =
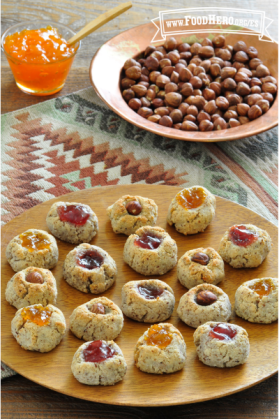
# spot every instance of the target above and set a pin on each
(108, 62)
(196, 382)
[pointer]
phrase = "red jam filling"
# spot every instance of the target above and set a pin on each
(241, 236)
(149, 292)
(74, 214)
(90, 259)
(191, 198)
(263, 287)
(222, 332)
(148, 241)
(158, 336)
(98, 351)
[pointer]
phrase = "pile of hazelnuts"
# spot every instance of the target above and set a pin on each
(207, 86)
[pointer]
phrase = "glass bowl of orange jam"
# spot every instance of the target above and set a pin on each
(39, 55)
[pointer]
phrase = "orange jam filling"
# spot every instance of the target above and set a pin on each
(158, 336)
(40, 59)
(37, 314)
(191, 198)
(263, 287)
(34, 241)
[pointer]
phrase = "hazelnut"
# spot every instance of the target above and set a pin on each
(269, 88)
(227, 64)
(177, 126)
(162, 80)
(192, 110)
(222, 103)
(217, 60)
(133, 72)
(241, 57)
(209, 94)
(174, 77)
(186, 55)
(151, 63)
(224, 53)
(219, 124)
(200, 258)
(254, 63)
(157, 103)
(228, 72)
(170, 44)
(183, 108)
(233, 123)
(242, 89)
(191, 118)
(139, 90)
(135, 104)
(187, 89)
(155, 88)
(196, 82)
(191, 67)
(264, 105)
(149, 50)
(206, 125)
(256, 89)
(179, 67)
(162, 50)
(252, 52)
(173, 99)
(229, 84)
(127, 83)
(98, 308)
(269, 79)
(214, 117)
(189, 100)
(197, 70)
(162, 111)
(133, 207)
(218, 41)
(206, 42)
(197, 92)
(234, 99)
(171, 87)
(183, 47)
(241, 77)
(262, 71)
(145, 112)
(202, 116)
(242, 109)
(252, 99)
(243, 120)
(130, 63)
(206, 298)
(215, 70)
(267, 96)
(206, 51)
(240, 46)
(167, 71)
(254, 112)
(174, 56)
(161, 94)
(154, 118)
(143, 83)
(176, 116)
(230, 114)
(34, 278)
(206, 64)
(150, 94)
(166, 121)
(210, 107)
(145, 102)
(195, 48)
(238, 65)
(255, 82)
(185, 74)
(144, 78)
(216, 87)
(205, 78)
(199, 102)
(158, 55)
(189, 126)
(246, 71)
(164, 62)
(128, 94)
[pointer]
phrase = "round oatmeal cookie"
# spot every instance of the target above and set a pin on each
(99, 363)
(148, 301)
(150, 251)
(129, 213)
(38, 328)
(89, 269)
(245, 246)
(97, 319)
(204, 303)
(192, 210)
(221, 345)
(160, 350)
(199, 266)
(72, 222)
(35, 248)
(257, 300)
(31, 286)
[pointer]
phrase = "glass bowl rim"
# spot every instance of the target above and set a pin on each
(44, 23)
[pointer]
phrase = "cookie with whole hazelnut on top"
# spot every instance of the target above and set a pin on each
(245, 246)
(192, 210)
(129, 213)
(99, 318)
(200, 266)
(204, 303)
(31, 286)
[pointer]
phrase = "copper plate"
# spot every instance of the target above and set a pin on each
(106, 66)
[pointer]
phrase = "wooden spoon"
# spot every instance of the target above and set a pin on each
(100, 21)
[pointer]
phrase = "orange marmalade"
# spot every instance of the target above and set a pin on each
(158, 336)
(40, 59)
(36, 314)
(191, 198)
(263, 287)
(34, 241)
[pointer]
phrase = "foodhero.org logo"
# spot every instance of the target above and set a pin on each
(212, 20)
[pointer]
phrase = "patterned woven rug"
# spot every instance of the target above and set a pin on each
(75, 142)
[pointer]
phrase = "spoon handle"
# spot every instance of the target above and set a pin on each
(100, 21)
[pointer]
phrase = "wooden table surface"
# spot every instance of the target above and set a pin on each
(21, 398)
